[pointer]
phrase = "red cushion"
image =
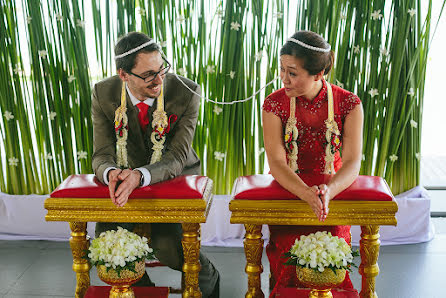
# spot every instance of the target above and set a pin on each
(88, 186)
(104, 291)
(295, 292)
(265, 187)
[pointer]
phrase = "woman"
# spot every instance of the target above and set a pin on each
(297, 122)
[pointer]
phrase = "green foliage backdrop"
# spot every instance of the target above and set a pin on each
(231, 49)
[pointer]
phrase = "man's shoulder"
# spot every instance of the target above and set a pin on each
(109, 85)
(179, 94)
(110, 81)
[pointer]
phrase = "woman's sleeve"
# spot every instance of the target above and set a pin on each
(274, 106)
(350, 102)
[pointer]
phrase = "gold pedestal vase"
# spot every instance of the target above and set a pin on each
(321, 283)
(121, 284)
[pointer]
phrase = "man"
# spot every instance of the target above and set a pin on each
(141, 66)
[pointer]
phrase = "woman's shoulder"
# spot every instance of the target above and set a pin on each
(277, 103)
(278, 95)
(347, 100)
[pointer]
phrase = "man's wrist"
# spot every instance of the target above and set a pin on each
(141, 179)
(106, 175)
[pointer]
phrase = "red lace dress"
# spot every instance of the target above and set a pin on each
(311, 144)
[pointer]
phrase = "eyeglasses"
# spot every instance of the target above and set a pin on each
(153, 76)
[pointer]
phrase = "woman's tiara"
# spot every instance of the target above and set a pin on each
(301, 43)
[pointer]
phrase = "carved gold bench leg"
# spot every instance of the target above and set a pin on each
(191, 267)
(79, 243)
(369, 249)
(253, 251)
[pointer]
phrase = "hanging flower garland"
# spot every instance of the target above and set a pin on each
(332, 136)
(291, 134)
(160, 125)
(121, 130)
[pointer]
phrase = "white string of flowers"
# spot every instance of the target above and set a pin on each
(121, 124)
(332, 128)
(291, 134)
(158, 136)
(159, 125)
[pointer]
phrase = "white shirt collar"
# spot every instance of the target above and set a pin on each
(149, 101)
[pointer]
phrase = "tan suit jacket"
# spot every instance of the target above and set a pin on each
(178, 156)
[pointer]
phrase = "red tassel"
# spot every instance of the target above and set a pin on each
(172, 119)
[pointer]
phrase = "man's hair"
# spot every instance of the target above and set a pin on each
(131, 41)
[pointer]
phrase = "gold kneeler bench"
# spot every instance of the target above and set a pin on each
(82, 198)
(259, 199)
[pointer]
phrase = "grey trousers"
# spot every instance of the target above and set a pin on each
(166, 242)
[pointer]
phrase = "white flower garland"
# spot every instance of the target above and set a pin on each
(291, 134)
(121, 130)
(159, 125)
(332, 128)
(158, 137)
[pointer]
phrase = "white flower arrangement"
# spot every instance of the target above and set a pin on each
(278, 15)
(43, 54)
(80, 23)
(52, 115)
(81, 155)
(376, 15)
(217, 110)
(373, 92)
(8, 115)
(321, 250)
(393, 158)
(235, 26)
(219, 155)
(119, 250)
(13, 161)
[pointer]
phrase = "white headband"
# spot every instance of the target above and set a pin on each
(301, 43)
(135, 49)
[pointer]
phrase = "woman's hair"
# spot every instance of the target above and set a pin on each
(129, 42)
(313, 61)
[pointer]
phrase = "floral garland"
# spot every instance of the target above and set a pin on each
(160, 125)
(121, 130)
(332, 136)
(291, 134)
